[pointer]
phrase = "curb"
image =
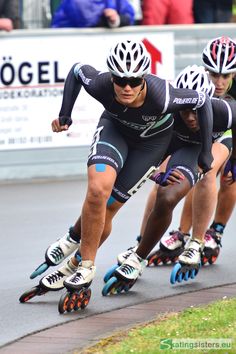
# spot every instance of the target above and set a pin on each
(85, 332)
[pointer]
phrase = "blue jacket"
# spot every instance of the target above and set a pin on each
(89, 13)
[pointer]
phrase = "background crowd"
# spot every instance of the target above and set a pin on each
(20, 14)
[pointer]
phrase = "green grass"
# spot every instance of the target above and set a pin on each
(215, 321)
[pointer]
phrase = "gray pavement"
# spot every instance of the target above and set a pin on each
(34, 214)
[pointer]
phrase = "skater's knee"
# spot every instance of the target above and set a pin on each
(166, 201)
(98, 194)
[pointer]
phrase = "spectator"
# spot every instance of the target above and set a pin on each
(91, 13)
(9, 15)
(138, 14)
(213, 11)
(167, 12)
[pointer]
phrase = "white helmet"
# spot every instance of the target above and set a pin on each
(195, 78)
(129, 59)
(219, 55)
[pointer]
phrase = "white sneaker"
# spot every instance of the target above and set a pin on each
(132, 267)
(54, 280)
(192, 253)
(61, 249)
(83, 277)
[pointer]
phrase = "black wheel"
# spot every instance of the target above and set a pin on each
(29, 294)
(63, 302)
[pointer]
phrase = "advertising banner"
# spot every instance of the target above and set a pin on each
(32, 74)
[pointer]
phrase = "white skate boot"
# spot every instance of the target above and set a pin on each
(171, 246)
(131, 268)
(124, 255)
(61, 249)
(82, 278)
(192, 253)
(189, 262)
(211, 250)
(54, 281)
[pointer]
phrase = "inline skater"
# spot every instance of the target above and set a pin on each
(135, 126)
(219, 59)
(186, 145)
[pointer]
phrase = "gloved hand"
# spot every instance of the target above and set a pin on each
(205, 161)
(172, 176)
(65, 121)
(230, 167)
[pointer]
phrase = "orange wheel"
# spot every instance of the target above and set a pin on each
(63, 302)
(213, 259)
(86, 299)
(78, 302)
(71, 302)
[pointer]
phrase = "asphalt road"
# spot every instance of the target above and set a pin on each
(34, 214)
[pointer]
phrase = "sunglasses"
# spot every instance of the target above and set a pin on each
(123, 81)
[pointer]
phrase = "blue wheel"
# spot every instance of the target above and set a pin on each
(109, 287)
(173, 276)
(186, 276)
(193, 273)
(41, 269)
(180, 277)
(109, 273)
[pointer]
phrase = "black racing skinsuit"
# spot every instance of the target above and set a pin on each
(186, 144)
(134, 140)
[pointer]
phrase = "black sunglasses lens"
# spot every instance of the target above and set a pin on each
(122, 81)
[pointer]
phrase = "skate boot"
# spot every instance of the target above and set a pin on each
(120, 259)
(51, 282)
(171, 246)
(125, 275)
(189, 263)
(212, 246)
(57, 252)
(78, 292)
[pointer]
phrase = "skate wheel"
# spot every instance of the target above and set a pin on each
(174, 273)
(109, 273)
(27, 295)
(63, 302)
(186, 276)
(41, 269)
(204, 260)
(154, 260)
(193, 273)
(109, 287)
(72, 302)
(180, 277)
(212, 259)
(86, 298)
(78, 301)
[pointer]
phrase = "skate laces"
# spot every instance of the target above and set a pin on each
(57, 254)
(54, 277)
(175, 235)
(191, 251)
(77, 277)
(127, 268)
(129, 252)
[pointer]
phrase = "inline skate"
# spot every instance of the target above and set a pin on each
(57, 252)
(125, 275)
(120, 259)
(189, 263)
(171, 246)
(78, 293)
(212, 246)
(51, 282)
